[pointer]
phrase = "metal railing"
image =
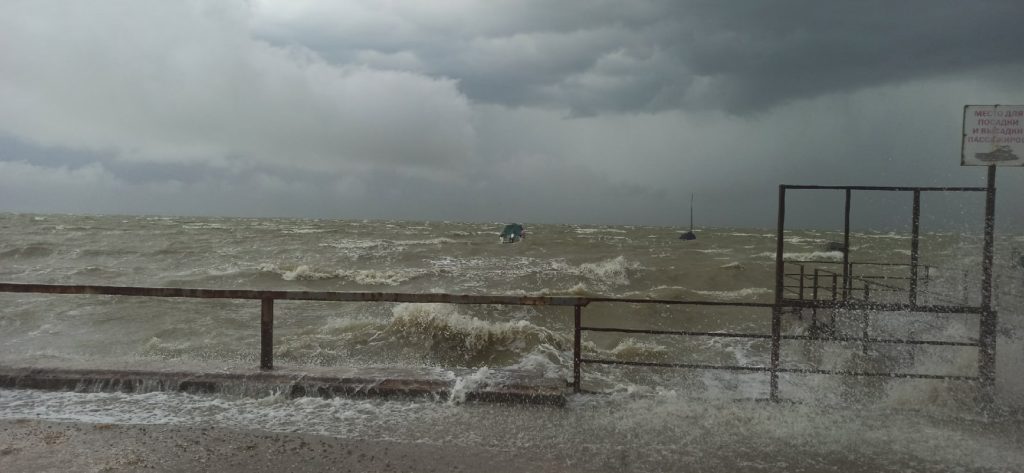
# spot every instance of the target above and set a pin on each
(987, 313)
(809, 281)
(267, 298)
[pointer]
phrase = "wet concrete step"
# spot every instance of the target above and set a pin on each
(507, 386)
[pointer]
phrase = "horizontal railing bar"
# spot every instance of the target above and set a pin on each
(882, 340)
(887, 188)
(829, 287)
(879, 375)
(858, 263)
(876, 306)
(451, 298)
(784, 337)
(675, 332)
(675, 365)
(766, 305)
(291, 295)
(780, 370)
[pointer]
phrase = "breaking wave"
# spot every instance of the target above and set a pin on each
(809, 256)
(737, 294)
(365, 277)
(452, 336)
(32, 250)
(612, 271)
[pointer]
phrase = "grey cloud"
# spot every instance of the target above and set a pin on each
(661, 55)
(533, 111)
(185, 81)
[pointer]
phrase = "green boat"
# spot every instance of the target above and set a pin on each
(513, 233)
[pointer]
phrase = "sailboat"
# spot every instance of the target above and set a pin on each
(689, 235)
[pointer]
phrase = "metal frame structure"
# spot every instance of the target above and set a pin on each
(842, 300)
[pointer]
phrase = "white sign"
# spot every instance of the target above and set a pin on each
(993, 135)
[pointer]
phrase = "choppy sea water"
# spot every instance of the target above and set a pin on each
(657, 409)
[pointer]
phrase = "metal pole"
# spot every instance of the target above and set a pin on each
(814, 295)
(267, 334)
(915, 230)
(987, 332)
(576, 354)
(847, 283)
(773, 392)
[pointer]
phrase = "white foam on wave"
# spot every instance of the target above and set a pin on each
(587, 231)
(204, 226)
(737, 294)
(548, 360)
(365, 277)
(615, 270)
(715, 251)
(351, 244)
(631, 349)
(803, 240)
(466, 384)
(809, 256)
(892, 235)
(612, 271)
(763, 235)
(429, 241)
(442, 326)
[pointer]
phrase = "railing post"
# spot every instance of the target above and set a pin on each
(576, 353)
(267, 334)
(915, 231)
(847, 282)
(835, 286)
(814, 310)
(773, 392)
(988, 323)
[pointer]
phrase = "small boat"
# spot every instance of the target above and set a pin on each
(834, 246)
(513, 233)
(1001, 153)
(689, 235)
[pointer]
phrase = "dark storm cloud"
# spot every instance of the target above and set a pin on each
(759, 54)
(659, 55)
(568, 111)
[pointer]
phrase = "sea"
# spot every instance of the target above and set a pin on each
(629, 418)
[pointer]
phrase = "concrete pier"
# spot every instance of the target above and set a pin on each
(506, 386)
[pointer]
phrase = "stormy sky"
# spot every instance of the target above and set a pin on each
(575, 111)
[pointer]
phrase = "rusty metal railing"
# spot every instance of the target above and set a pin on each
(267, 298)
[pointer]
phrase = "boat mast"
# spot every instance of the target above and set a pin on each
(691, 211)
